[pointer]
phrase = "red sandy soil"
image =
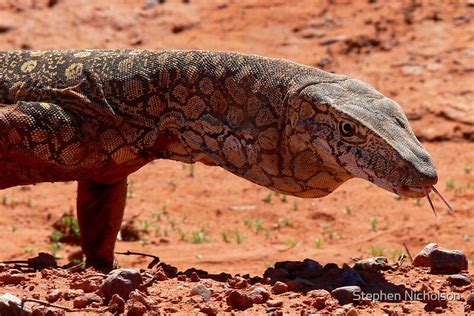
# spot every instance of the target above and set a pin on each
(420, 53)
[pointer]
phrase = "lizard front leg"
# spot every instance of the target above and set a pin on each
(100, 211)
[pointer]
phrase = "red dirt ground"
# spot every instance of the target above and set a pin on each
(420, 53)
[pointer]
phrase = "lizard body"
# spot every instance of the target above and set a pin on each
(95, 116)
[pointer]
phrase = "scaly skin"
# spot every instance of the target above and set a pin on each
(96, 116)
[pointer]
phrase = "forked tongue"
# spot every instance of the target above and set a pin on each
(427, 190)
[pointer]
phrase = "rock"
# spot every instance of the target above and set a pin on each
(459, 280)
(470, 300)
(40, 310)
(318, 298)
(121, 282)
(195, 277)
(208, 309)
(238, 300)
(259, 295)
(238, 283)
(330, 266)
(87, 285)
(53, 296)
(434, 300)
(11, 278)
(93, 298)
(135, 308)
(444, 260)
(279, 287)
(421, 259)
(376, 263)
(294, 285)
(347, 294)
(71, 294)
(12, 305)
(181, 277)
(80, 302)
(116, 304)
(350, 276)
(274, 303)
(276, 274)
(140, 297)
(440, 259)
(352, 312)
(202, 291)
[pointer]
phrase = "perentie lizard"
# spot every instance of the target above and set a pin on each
(95, 116)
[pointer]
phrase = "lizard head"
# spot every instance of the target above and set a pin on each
(354, 129)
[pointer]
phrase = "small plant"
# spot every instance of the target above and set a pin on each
(282, 222)
(182, 234)
(146, 225)
(373, 223)
(284, 198)
(191, 171)
(376, 251)
(248, 222)
(5, 200)
(295, 205)
(397, 197)
(14, 228)
(28, 249)
(268, 198)
(451, 184)
(239, 238)
(291, 243)
(327, 231)
(172, 224)
(172, 183)
(200, 237)
(131, 189)
(418, 202)
(258, 226)
(225, 236)
(348, 210)
(318, 243)
(56, 237)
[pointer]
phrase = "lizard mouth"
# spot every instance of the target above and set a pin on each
(425, 191)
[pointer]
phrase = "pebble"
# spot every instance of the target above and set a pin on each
(9, 278)
(318, 298)
(238, 283)
(136, 308)
(116, 304)
(259, 295)
(238, 300)
(121, 282)
(352, 312)
(346, 294)
(208, 309)
(80, 302)
(53, 296)
(12, 305)
(202, 291)
(441, 259)
(376, 263)
(87, 285)
(274, 303)
(195, 277)
(421, 259)
(181, 277)
(459, 280)
(279, 287)
(470, 300)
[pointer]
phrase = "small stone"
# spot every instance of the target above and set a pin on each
(135, 308)
(238, 300)
(202, 291)
(459, 280)
(208, 309)
(195, 277)
(161, 276)
(140, 297)
(53, 296)
(80, 302)
(421, 259)
(121, 282)
(238, 283)
(350, 276)
(279, 287)
(274, 303)
(87, 285)
(330, 266)
(376, 263)
(181, 277)
(352, 312)
(444, 260)
(346, 294)
(93, 298)
(259, 295)
(116, 304)
(11, 278)
(318, 298)
(71, 294)
(12, 305)
(470, 299)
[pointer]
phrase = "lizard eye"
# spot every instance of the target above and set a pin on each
(347, 129)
